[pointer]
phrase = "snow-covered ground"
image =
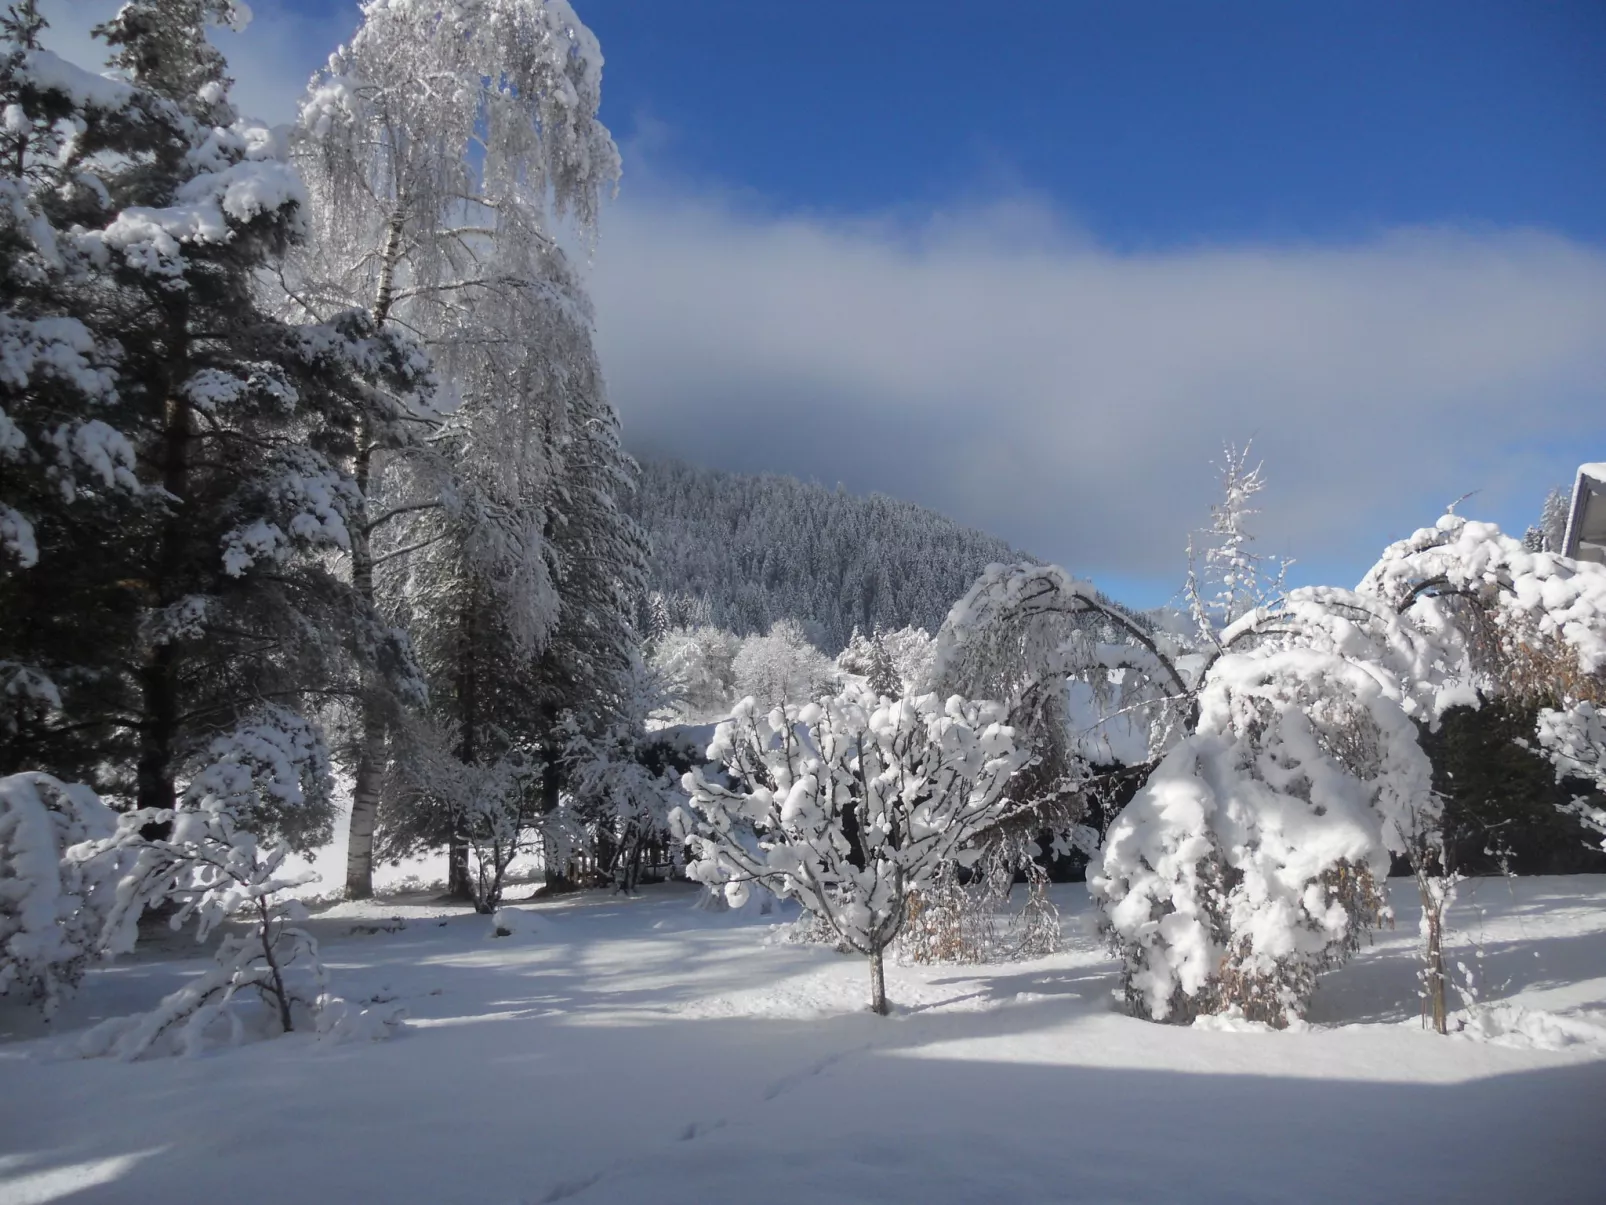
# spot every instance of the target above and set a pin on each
(640, 1050)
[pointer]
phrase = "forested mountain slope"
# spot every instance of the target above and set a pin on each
(741, 551)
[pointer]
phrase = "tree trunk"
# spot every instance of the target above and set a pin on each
(158, 676)
(459, 884)
(878, 983)
(265, 935)
(371, 756)
(158, 730)
(365, 808)
(1433, 975)
(556, 877)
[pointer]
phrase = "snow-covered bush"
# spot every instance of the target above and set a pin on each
(212, 870)
(1252, 859)
(848, 805)
(49, 924)
(782, 667)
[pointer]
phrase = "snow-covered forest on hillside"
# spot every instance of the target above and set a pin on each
(406, 795)
(740, 552)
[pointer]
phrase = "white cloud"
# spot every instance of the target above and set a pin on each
(1070, 397)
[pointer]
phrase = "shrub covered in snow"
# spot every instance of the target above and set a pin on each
(49, 926)
(1253, 857)
(201, 857)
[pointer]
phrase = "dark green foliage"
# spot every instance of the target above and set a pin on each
(1500, 798)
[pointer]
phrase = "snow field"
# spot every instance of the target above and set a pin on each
(618, 1049)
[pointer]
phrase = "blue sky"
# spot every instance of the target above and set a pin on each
(1032, 263)
(1151, 123)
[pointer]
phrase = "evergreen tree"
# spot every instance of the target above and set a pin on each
(197, 558)
(67, 481)
(884, 681)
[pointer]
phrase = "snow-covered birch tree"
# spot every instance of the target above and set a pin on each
(443, 145)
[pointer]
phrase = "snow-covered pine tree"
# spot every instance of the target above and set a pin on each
(239, 419)
(849, 805)
(1550, 533)
(443, 144)
(67, 480)
(883, 678)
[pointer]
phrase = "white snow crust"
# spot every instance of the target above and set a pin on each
(644, 1049)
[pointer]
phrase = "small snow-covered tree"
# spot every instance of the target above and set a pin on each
(49, 922)
(1234, 578)
(204, 860)
(698, 664)
(848, 805)
(781, 667)
(1031, 635)
(883, 679)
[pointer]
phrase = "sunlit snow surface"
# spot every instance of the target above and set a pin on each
(640, 1050)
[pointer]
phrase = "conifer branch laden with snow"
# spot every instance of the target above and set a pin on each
(848, 805)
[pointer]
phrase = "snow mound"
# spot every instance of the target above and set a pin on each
(747, 900)
(518, 922)
(1528, 1028)
(375, 1020)
(1233, 1021)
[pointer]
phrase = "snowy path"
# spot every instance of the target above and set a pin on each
(639, 1050)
